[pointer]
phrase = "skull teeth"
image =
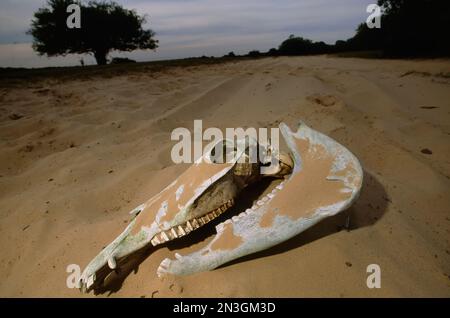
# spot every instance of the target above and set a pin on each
(165, 263)
(112, 263)
(189, 226)
(164, 236)
(155, 241)
(257, 204)
(181, 231)
(174, 233)
(195, 224)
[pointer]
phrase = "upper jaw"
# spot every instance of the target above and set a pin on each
(185, 228)
(147, 228)
(107, 256)
(125, 244)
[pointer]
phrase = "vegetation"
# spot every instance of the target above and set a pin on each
(300, 46)
(122, 60)
(231, 54)
(409, 28)
(12, 76)
(254, 54)
(105, 26)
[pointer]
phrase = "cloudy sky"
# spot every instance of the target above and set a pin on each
(198, 27)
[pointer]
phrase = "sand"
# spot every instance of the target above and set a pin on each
(78, 155)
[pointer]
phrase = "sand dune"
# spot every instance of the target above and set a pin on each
(78, 155)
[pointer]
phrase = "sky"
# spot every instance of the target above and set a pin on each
(187, 28)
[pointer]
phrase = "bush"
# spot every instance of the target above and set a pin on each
(254, 53)
(122, 60)
(301, 46)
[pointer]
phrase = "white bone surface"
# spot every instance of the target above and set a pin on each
(256, 238)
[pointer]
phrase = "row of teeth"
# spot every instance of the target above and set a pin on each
(165, 264)
(191, 225)
(255, 206)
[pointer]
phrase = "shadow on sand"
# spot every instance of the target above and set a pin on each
(366, 211)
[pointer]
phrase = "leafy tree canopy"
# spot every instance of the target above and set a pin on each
(105, 26)
(300, 46)
(408, 28)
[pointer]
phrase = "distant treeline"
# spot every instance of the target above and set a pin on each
(409, 28)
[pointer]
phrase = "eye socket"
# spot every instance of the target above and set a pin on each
(227, 149)
(221, 151)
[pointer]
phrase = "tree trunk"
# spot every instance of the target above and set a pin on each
(100, 57)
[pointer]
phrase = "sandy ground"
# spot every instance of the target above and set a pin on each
(86, 152)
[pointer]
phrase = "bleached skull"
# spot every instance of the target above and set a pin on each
(322, 178)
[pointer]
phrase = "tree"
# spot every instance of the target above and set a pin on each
(416, 27)
(295, 46)
(272, 52)
(254, 53)
(340, 45)
(408, 28)
(105, 26)
(366, 39)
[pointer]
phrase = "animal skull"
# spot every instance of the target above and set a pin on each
(322, 179)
